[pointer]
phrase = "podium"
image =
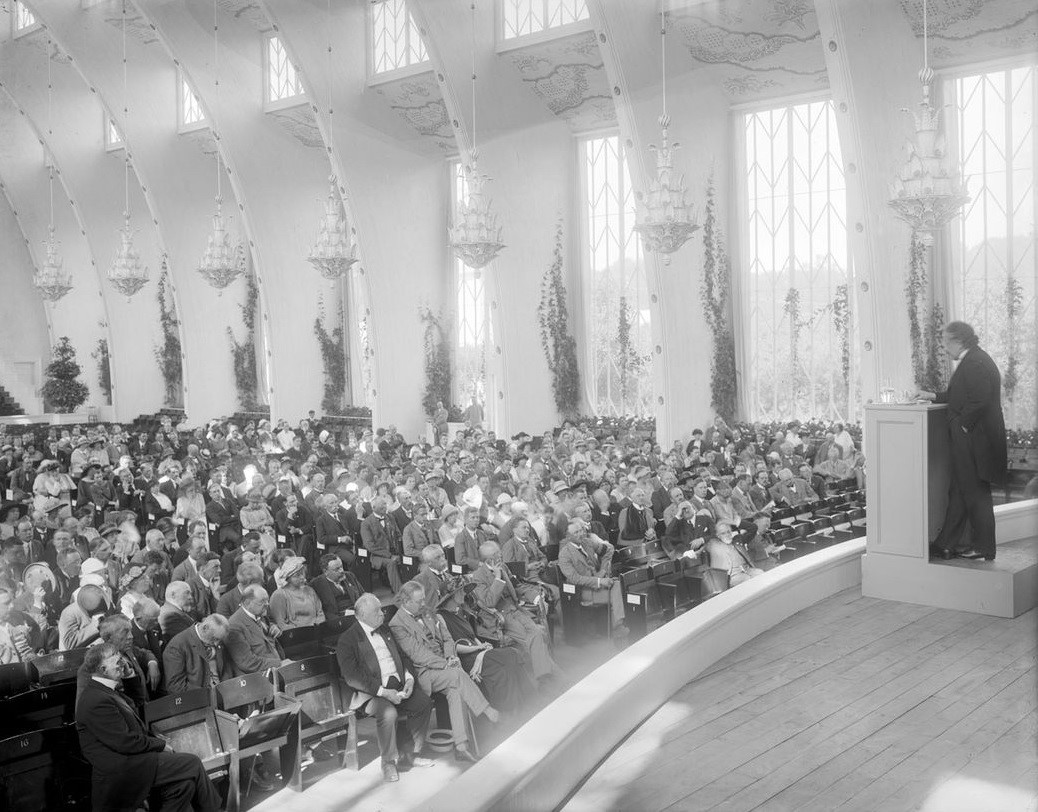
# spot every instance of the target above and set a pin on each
(909, 468)
(908, 458)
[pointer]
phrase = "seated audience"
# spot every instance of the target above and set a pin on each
(336, 589)
(371, 665)
(295, 604)
(251, 637)
(129, 765)
(727, 557)
(196, 657)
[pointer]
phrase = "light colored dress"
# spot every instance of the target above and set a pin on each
(291, 608)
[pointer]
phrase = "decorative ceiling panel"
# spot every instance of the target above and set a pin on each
(301, 122)
(248, 11)
(569, 77)
(418, 100)
(963, 31)
(755, 49)
(136, 25)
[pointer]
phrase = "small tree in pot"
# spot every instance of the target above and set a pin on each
(62, 391)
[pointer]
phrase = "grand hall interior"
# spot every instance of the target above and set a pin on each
(518, 405)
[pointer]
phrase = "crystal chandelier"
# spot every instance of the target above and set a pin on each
(925, 193)
(666, 219)
(223, 260)
(475, 237)
(52, 280)
(333, 254)
(127, 274)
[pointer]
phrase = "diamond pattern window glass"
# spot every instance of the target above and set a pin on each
(282, 81)
(24, 19)
(994, 261)
(395, 41)
(795, 266)
(619, 332)
(522, 17)
(190, 107)
(113, 140)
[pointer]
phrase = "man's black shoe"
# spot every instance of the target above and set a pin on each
(973, 555)
(941, 553)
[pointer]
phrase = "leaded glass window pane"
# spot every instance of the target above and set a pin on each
(994, 265)
(395, 40)
(796, 304)
(522, 17)
(619, 329)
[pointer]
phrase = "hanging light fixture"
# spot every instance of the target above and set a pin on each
(475, 236)
(925, 193)
(334, 253)
(127, 274)
(52, 280)
(223, 260)
(666, 219)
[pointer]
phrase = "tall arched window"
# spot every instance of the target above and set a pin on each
(618, 337)
(993, 256)
(796, 301)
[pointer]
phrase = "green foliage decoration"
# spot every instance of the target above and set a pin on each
(243, 353)
(716, 296)
(559, 345)
(437, 361)
(62, 391)
(334, 359)
(104, 368)
(168, 353)
(1014, 302)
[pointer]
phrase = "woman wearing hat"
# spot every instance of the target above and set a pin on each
(190, 506)
(451, 524)
(295, 604)
(51, 487)
(134, 586)
(157, 504)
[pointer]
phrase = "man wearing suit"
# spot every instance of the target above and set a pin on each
(402, 515)
(585, 561)
(792, 490)
(175, 613)
(423, 637)
(977, 431)
(418, 534)
(336, 588)
(495, 590)
(246, 575)
(468, 541)
(331, 535)
(371, 664)
(223, 513)
(251, 638)
(196, 658)
(378, 534)
(128, 763)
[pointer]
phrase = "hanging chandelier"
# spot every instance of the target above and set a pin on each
(925, 193)
(666, 219)
(333, 254)
(223, 260)
(52, 280)
(127, 274)
(475, 237)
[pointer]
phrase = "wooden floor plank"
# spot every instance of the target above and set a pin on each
(852, 704)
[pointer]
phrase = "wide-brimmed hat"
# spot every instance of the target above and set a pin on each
(6, 507)
(132, 574)
(473, 497)
(291, 565)
(559, 487)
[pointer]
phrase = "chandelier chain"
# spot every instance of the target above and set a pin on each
(663, 54)
(216, 100)
(472, 9)
(126, 113)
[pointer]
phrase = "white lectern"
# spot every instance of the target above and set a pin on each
(908, 459)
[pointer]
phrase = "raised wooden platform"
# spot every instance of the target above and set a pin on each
(852, 704)
(1005, 587)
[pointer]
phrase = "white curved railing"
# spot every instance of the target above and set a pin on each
(547, 759)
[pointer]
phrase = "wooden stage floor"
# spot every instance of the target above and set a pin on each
(852, 704)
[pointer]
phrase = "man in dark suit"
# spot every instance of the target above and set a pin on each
(402, 515)
(331, 535)
(378, 535)
(128, 763)
(336, 588)
(977, 431)
(223, 516)
(231, 559)
(370, 664)
(175, 614)
(251, 638)
(196, 658)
